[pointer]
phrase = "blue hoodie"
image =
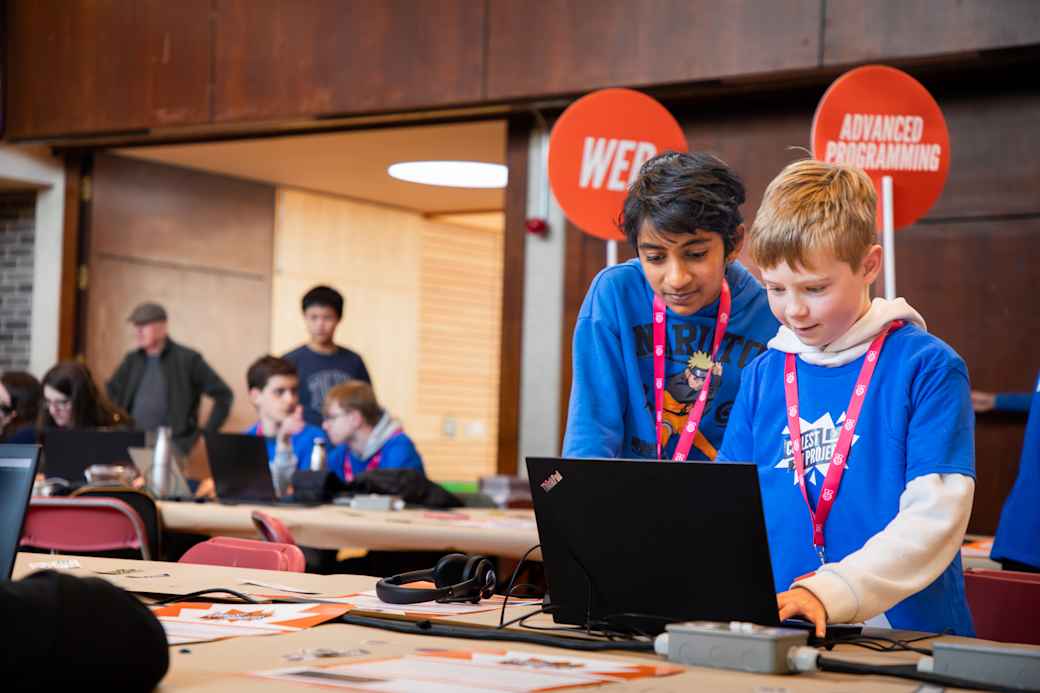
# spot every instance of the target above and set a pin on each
(611, 410)
(1018, 534)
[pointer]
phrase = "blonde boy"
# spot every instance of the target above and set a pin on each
(882, 417)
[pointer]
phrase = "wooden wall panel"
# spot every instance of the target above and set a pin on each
(975, 284)
(282, 58)
(422, 308)
(197, 243)
(857, 31)
(176, 215)
(993, 145)
(570, 46)
(460, 320)
(76, 66)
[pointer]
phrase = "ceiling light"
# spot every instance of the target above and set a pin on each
(454, 174)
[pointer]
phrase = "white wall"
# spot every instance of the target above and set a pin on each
(543, 315)
(34, 166)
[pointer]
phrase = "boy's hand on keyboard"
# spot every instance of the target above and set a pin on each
(801, 602)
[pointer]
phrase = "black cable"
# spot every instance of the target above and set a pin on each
(480, 633)
(874, 642)
(216, 590)
(512, 581)
(541, 610)
(909, 671)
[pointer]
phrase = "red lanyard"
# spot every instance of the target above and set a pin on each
(348, 469)
(682, 449)
(841, 450)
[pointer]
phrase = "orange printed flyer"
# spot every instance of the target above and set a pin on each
(466, 671)
(186, 622)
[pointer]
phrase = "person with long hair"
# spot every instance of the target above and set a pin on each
(71, 399)
(20, 395)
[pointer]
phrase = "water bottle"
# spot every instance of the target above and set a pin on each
(318, 456)
(161, 482)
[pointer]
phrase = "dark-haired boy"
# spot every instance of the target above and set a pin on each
(290, 440)
(638, 392)
(321, 363)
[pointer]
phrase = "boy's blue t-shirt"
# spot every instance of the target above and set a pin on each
(916, 420)
(1018, 533)
(611, 411)
(319, 373)
(399, 452)
(302, 444)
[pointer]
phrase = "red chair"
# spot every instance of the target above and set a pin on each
(84, 525)
(1005, 605)
(247, 553)
(271, 528)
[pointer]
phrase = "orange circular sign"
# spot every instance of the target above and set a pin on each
(882, 120)
(596, 150)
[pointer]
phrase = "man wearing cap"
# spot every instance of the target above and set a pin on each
(161, 381)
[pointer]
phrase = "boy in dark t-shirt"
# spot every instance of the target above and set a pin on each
(321, 363)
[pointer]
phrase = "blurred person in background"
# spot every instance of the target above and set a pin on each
(161, 382)
(71, 399)
(20, 395)
(366, 435)
(321, 363)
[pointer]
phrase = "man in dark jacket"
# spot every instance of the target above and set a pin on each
(160, 382)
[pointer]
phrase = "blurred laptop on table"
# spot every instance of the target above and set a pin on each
(240, 469)
(18, 465)
(67, 453)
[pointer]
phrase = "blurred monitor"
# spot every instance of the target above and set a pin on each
(17, 472)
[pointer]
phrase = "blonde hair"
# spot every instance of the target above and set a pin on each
(356, 395)
(813, 206)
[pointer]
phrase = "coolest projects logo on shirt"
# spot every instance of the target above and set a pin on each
(819, 439)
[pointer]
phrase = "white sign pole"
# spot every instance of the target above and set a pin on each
(611, 253)
(888, 237)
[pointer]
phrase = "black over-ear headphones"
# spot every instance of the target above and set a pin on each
(458, 578)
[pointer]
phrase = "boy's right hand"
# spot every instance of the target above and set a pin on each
(292, 425)
(799, 601)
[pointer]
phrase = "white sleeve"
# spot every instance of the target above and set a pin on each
(903, 558)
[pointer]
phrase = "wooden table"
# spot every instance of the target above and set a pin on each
(507, 533)
(225, 665)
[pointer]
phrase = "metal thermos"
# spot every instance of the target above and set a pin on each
(161, 483)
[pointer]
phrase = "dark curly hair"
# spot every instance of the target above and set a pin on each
(681, 193)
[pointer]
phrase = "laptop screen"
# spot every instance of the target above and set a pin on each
(17, 473)
(69, 452)
(639, 543)
(240, 468)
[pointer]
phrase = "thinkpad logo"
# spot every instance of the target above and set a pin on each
(550, 483)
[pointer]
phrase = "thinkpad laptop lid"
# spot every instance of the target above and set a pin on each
(636, 542)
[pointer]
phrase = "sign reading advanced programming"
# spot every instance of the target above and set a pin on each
(882, 120)
(596, 150)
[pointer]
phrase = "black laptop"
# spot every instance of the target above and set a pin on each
(640, 544)
(239, 466)
(67, 453)
(17, 472)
